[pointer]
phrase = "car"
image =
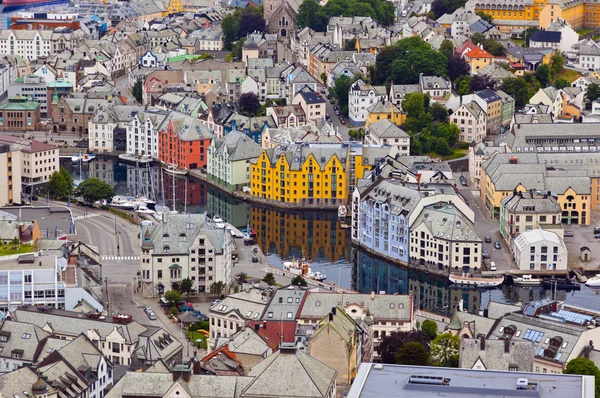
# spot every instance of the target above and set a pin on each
(492, 266)
(152, 316)
(485, 254)
(463, 181)
(34, 197)
(597, 230)
(488, 239)
(569, 234)
(249, 242)
(322, 91)
(148, 310)
(337, 113)
(342, 121)
(591, 69)
(497, 245)
(597, 236)
(335, 109)
(254, 259)
(331, 101)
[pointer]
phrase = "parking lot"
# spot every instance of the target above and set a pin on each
(584, 236)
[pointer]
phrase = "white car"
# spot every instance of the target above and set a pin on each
(219, 223)
(152, 316)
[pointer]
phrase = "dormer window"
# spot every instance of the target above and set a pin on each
(166, 249)
(182, 237)
(165, 237)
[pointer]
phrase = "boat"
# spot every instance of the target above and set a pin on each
(476, 281)
(561, 284)
(129, 157)
(527, 280)
(219, 223)
(249, 233)
(342, 212)
(76, 158)
(173, 170)
(142, 209)
(123, 203)
(87, 157)
(302, 268)
(319, 276)
(594, 281)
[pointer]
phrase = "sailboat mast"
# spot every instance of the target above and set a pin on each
(185, 199)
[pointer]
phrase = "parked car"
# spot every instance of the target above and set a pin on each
(492, 266)
(497, 245)
(254, 259)
(597, 235)
(597, 230)
(485, 254)
(34, 197)
(463, 181)
(152, 316)
(488, 239)
(570, 234)
(148, 310)
(249, 242)
(331, 100)
(342, 120)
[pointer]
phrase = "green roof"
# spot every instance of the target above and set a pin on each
(19, 106)
(60, 83)
(183, 57)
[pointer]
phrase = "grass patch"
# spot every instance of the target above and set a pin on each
(195, 336)
(583, 32)
(9, 249)
(520, 42)
(597, 37)
(458, 153)
(569, 75)
(124, 215)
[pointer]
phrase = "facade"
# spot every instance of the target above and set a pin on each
(230, 157)
(539, 250)
(39, 161)
(491, 103)
(10, 176)
(287, 115)
(438, 88)
(34, 44)
(361, 96)
(184, 246)
(19, 114)
(101, 130)
(312, 103)
(142, 132)
(385, 110)
(471, 119)
(478, 58)
(182, 141)
(385, 132)
(527, 211)
(33, 87)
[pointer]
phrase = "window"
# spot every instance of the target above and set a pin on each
(290, 315)
(26, 336)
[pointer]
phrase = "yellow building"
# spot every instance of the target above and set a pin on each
(385, 110)
(174, 7)
(478, 58)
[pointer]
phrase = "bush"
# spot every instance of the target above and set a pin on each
(174, 310)
(203, 325)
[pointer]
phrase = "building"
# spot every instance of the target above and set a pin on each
(527, 211)
(182, 141)
(478, 58)
(471, 119)
(10, 176)
(287, 115)
(230, 157)
(382, 380)
(385, 110)
(491, 103)
(588, 56)
(545, 39)
(19, 342)
(26, 380)
(19, 114)
(399, 91)
(384, 132)
(34, 44)
(360, 97)
(503, 355)
(142, 132)
(184, 246)
(438, 88)
(539, 250)
(312, 103)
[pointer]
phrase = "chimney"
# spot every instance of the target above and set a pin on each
(482, 343)
(197, 368)
(264, 324)
(507, 346)
(513, 160)
(330, 317)
(257, 326)
(333, 310)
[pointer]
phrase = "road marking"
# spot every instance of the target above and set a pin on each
(118, 284)
(118, 258)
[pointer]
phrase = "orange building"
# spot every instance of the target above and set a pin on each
(182, 141)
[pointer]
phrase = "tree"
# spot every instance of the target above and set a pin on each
(187, 287)
(250, 22)
(236, 50)
(93, 190)
(478, 83)
(561, 83)
(412, 353)
(447, 48)
(557, 63)
(269, 279)
(299, 281)
(438, 111)
(442, 148)
(430, 328)
(173, 297)
(445, 347)
(518, 88)
(586, 367)
(528, 33)
(249, 104)
(324, 78)
(485, 17)
(389, 344)
(340, 90)
(490, 45)
(593, 93)
(230, 26)
(217, 288)
(542, 74)
(414, 104)
(311, 14)
(58, 186)
(138, 91)
(241, 278)
(438, 7)
(457, 67)
(350, 45)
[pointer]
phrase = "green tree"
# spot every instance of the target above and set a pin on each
(444, 347)
(269, 279)
(218, 288)
(311, 14)
(518, 88)
(585, 367)
(230, 25)
(138, 91)
(174, 311)
(414, 105)
(236, 49)
(251, 21)
(485, 17)
(350, 45)
(430, 328)
(299, 281)
(412, 353)
(438, 7)
(557, 63)
(58, 186)
(561, 83)
(324, 78)
(93, 190)
(249, 104)
(241, 278)
(173, 297)
(490, 45)
(438, 111)
(442, 148)
(187, 287)
(340, 90)
(389, 344)
(542, 74)
(593, 93)
(447, 48)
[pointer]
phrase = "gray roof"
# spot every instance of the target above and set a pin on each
(239, 146)
(386, 129)
(248, 342)
(297, 154)
(496, 354)
(285, 304)
(494, 72)
(447, 223)
(21, 336)
(541, 118)
(497, 310)
(530, 203)
(430, 83)
(19, 382)
(248, 305)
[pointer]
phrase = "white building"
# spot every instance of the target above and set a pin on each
(33, 44)
(361, 96)
(384, 132)
(568, 36)
(209, 39)
(438, 88)
(184, 246)
(142, 132)
(588, 55)
(229, 158)
(471, 119)
(101, 129)
(539, 250)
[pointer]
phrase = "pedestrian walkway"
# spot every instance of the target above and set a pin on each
(119, 258)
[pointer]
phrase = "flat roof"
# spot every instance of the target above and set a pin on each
(383, 380)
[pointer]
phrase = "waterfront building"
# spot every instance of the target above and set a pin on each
(230, 157)
(142, 132)
(539, 250)
(34, 44)
(527, 211)
(184, 246)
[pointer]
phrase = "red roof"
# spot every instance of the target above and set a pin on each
(478, 53)
(468, 45)
(271, 331)
(37, 146)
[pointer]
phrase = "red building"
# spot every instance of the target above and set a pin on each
(19, 23)
(182, 141)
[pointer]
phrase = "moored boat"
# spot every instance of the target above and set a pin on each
(561, 284)
(594, 281)
(527, 280)
(476, 281)
(87, 157)
(302, 268)
(174, 170)
(129, 157)
(76, 158)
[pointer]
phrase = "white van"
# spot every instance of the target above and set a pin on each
(492, 266)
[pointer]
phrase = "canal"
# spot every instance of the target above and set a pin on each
(315, 235)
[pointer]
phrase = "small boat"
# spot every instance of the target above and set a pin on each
(142, 209)
(173, 170)
(561, 284)
(123, 203)
(527, 280)
(302, 268)
(76, 158)
(219, 223)
(319, 276)
(476, 281)
(594, 281)
(87, 157)
(129, 157)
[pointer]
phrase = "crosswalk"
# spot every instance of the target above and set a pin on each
(118, 284)
(120, 258)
